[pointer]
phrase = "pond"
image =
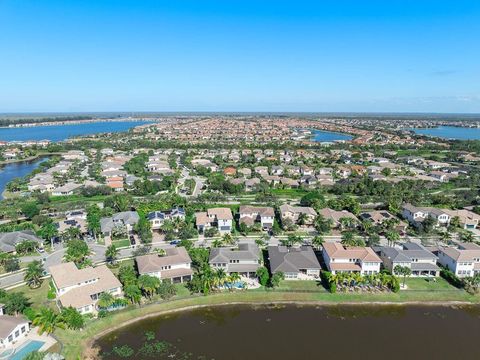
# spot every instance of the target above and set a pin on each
(14, 170)
(306, 332)
(329, 136)
(451, 132)
(64, 131)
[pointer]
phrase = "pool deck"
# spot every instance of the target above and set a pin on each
(48, 341)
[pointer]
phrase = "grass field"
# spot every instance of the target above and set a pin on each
(38, 297)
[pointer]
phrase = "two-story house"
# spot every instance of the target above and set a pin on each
(81, 288)
(249, 215)
(294, 213)
(340, 258)
(416, 257)
(221, 218)
(244, 260)
(463, 261)
(127, 219)
(175, 265)
(157, 218)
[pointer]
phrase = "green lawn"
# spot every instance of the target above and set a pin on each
(121, 243)
(301, 285)
(289, 192)
(428, 284)
(38, 297)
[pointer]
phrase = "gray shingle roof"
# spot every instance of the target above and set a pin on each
(288, 259)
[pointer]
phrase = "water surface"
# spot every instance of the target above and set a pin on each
(328, 332)
(329, 136)
(63, 132)
(11, 171)
(451, 132)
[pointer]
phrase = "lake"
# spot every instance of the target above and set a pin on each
(63, 132)
(307, 332)
(11, 171)
(329, 136)
(451, 132)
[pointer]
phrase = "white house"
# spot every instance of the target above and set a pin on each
(463, 261)
(249, 215)
(244, 260)
(339, 258)
(81, 288)
(221, 218)
(12, 328)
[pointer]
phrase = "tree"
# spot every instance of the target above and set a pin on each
(48, 231)
(276, 278)
(144, 230)
(318, 241)
(302, 218)
(292, 240)
(349, 239)
(48, 320)
(93, 219)
(402, 270)
(211, 232)
(133, 293)
(30, 209)
(392, 236)
(373, 240)
(166, 290)
(33, 274)
(149, 284)
(111, 254)
(263, 276)
(11, 264)
(105, 300)
(72, 318)
(77, 251)
(466, 236)
(233, 278)
(127, 275)
(26, 246)
(322, 225)
(16, 303)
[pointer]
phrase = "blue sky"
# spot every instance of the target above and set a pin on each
(229, 55)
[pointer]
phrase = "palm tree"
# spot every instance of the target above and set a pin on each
(47, 321)
(105, 300)
(318, 241)
(392, 237)
(33, 274)
(133, 293)
(232, 279)
(346, 222)
(220, 276)
(402, 270)
(302, 218)
(217, 243)
(111, 254)
(149, 284)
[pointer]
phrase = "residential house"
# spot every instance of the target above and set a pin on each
(468, 219)
(221, 218)
(463, 261)
(339, 258)
(416, 215)
(296, 263)
(12, 328)
(249, 215)
(66, 190)
(335, 216)
(244, 260)
(157, 218)
(293, 213)
(9, 240)
(127, 219)
(379, 217)
(81, 288)
(416, 257)
(175, 265)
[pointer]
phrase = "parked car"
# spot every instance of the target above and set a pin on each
(175, 242)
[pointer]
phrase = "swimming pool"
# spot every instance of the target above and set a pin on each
(27, 348)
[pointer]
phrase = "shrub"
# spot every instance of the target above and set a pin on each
(451, 278)
(326, 276)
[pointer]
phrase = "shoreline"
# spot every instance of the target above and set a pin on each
(90, 348)
(72, 122)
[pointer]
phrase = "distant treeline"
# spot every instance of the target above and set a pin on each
(7, 122)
